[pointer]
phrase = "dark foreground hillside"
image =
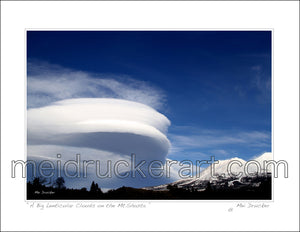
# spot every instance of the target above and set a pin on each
(262, 191)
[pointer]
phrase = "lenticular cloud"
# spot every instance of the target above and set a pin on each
(113, 125)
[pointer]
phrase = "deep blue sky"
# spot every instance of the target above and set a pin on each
(216, 82)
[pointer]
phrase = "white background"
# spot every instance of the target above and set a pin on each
(281, 17)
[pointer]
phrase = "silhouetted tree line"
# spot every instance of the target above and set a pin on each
(37, 190)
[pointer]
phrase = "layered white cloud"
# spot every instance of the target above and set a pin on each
(113, 125)
(104, 117)
(39, 153)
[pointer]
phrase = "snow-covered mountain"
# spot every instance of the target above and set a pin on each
(265, 157)
(220, 173)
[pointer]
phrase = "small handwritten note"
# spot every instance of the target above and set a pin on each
(85, 205)
(249, 205)
(252, 205)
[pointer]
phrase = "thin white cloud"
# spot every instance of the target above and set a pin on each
(216, 138)
(220, 152)
(47, 83)
(262, 84)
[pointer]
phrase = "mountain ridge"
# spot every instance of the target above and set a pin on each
(220, 173)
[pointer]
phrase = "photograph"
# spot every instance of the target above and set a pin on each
(149, 116)
(161, 114)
